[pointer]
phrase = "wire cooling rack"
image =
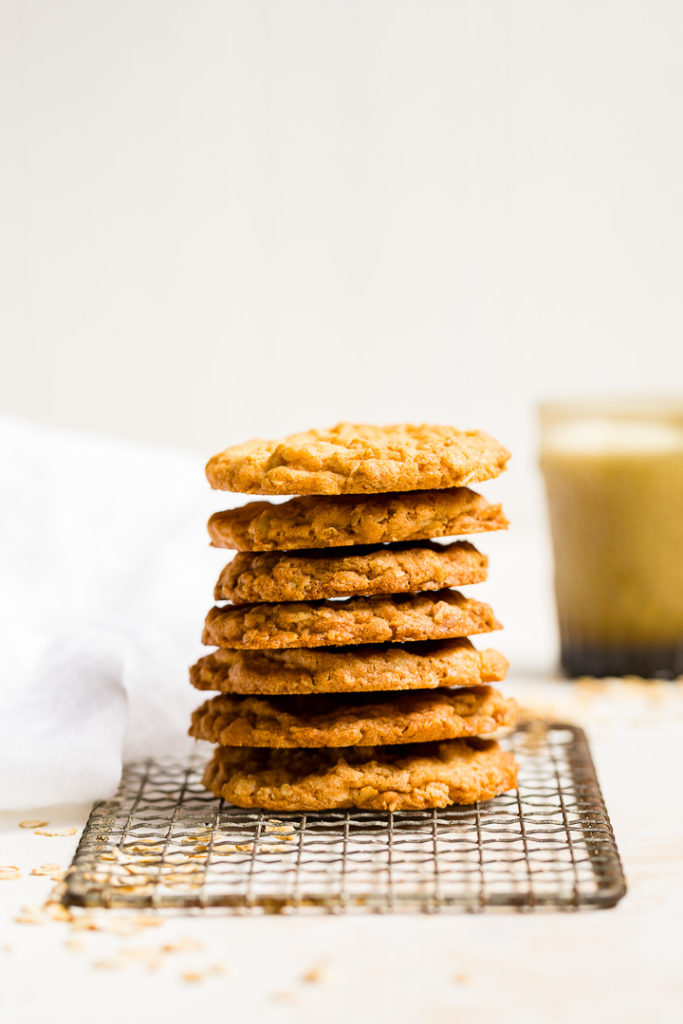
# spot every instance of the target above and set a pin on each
(164, 841)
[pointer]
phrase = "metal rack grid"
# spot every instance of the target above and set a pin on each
(164, 841)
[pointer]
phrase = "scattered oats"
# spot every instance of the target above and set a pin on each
(200, 837)
(50, 911)
(87, 922)
(146, 921)
(191, 976)
(251, 847)
(141, 889)
(54, 871)
(183, 945)
(115, 924)
(461, 978)
(218, 969)
(58, 912)
(74, 945)
(313, 974)
(31, 823)
(83, 923)
(9, 872)
(150, 957)
(148, 848)
(46, 869)
(180, 864)
(283, 996)
(136, 868)
(56, 832)
(32, 915)
(284, 831)
(181, 881)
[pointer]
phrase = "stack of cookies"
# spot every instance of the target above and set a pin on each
(343, 667)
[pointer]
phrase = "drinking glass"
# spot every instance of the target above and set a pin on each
(613, 472)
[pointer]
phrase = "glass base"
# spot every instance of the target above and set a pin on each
(601, 660)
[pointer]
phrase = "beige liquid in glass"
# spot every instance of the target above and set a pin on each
(615, 496)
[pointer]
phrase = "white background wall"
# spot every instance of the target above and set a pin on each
(236, 217)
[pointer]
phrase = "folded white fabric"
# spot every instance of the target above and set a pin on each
(106, 572)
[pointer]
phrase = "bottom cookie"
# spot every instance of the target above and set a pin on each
(395, 778)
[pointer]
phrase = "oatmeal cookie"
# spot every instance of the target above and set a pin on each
(436, 615)
(374, 667)
(338, 572)
(346, 720)
(394, 778)
(316, 521)
(358, 458)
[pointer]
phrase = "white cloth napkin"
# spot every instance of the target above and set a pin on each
(105, 576)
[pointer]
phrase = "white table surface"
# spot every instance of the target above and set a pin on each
(622, 964)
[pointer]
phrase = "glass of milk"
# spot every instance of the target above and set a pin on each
(613, 474)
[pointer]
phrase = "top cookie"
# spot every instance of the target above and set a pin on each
(358, 458)
(317, 521)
